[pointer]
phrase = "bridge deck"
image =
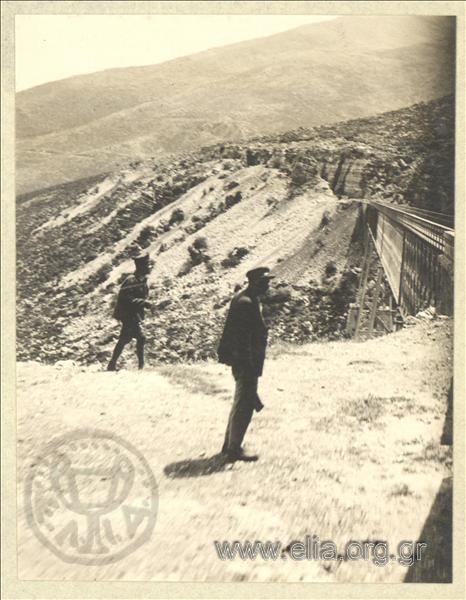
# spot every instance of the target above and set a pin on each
(416, 252)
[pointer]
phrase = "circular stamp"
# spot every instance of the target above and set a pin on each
(91, 497)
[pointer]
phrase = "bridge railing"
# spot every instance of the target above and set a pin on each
(416, 254)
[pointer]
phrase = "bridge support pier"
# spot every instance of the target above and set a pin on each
(363, 284)
(356, 320)
(375, 300)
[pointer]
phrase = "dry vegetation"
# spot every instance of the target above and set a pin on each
(207, 218)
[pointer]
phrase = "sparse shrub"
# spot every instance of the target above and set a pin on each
(103, 273)
(231, 184)
(276, 162)
(330, 269)
(147, 234)
(318, 244)
(401, 490)
(272, 202)
(251, 158)
(221, 207)
(234, 257)
(233, 199)
(176, 217)
(189, 229)
(197, 255)
(163, 226)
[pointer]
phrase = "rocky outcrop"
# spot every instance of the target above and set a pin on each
(404, 156)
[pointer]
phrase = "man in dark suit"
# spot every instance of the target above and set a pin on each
(129, 309)
(242, 346)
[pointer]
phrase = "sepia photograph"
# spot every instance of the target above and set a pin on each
(234, 295)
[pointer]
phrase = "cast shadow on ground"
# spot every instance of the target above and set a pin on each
(436, 565)
(196, 467)
(437, 533)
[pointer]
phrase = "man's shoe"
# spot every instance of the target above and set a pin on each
(233, 456)
(111, 367)
(258, 406)
(248, 457)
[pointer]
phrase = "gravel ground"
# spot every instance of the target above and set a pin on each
(349, 445)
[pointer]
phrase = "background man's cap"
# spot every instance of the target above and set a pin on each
(142, 260)
(259, 273)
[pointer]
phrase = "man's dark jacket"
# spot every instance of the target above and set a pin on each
(131, 299)
(244, 337)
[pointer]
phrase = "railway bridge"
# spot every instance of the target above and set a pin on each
(414, 250)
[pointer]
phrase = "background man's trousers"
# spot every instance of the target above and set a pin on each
(245, 400)
(130, 328)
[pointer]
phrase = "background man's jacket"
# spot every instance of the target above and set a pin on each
(131, 299)
(244, 337)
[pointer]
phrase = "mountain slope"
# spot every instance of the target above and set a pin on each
(321, 73)
(210, 215)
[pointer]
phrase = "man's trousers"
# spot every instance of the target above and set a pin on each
(241, 412)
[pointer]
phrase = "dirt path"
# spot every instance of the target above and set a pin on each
(349, 446)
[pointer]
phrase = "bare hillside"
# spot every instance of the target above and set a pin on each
(322, 73)
(206, 218)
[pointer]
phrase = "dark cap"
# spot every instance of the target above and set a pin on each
(142, 260)
(258, 274)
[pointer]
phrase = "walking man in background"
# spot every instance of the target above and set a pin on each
(129, 309)
(242, 347)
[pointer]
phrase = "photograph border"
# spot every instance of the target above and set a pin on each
(16, 588)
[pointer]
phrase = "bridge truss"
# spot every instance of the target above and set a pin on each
(415, 253)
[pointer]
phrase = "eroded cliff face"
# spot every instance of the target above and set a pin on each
(405, 156)
(342, 169)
